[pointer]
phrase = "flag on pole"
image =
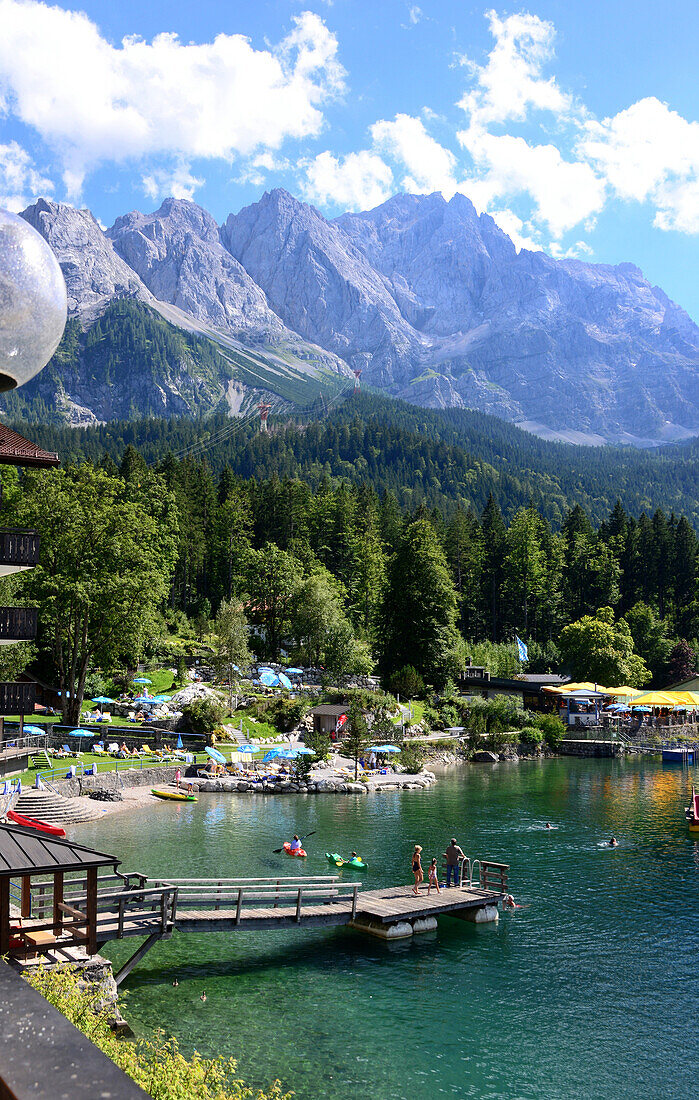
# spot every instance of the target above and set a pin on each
(521, 649)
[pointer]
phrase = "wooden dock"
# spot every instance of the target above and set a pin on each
(132, 906)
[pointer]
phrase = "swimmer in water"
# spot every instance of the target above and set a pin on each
(549, 825)
(508, 902)
(613, 842)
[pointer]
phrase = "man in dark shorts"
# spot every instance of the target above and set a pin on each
(454, 854)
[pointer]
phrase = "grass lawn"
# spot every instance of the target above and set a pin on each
(103, 765)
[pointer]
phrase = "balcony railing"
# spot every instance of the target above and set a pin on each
(17, 624)
(18, 550)
(17, 698)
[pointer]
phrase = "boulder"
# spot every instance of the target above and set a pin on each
(485, 757)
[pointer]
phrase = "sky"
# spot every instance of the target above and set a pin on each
(574, 123)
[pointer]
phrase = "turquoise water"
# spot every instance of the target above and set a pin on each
(589, 990)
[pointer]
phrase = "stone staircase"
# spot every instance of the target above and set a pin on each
(55, 809)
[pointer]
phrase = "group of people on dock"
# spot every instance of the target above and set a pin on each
(454, 857)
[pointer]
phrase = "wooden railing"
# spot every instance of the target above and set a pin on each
(17, 698)
(239, 895)
(481, 873)
(18, 624)
(19, 548)
(120, 897)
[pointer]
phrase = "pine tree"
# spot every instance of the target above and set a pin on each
(417, 622)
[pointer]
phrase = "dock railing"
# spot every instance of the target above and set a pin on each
(241, 895)
(123, 901)
(481, 874)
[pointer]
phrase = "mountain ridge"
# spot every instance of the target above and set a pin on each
(428, 299)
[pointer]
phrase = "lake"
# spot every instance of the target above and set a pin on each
(591, 989)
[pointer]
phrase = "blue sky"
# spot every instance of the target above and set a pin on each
(575, 124)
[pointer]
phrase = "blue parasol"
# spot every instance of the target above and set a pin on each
(304, 751)
(216, 755)
(269, 679)
(294, 672)
(142, 680)
(81, 733)
(179, 744)
(285, 681)
(34, 729)
(145, 699)
(387, 748)
(248, 748)
(272, 755)
(645, 710)
(102, 699)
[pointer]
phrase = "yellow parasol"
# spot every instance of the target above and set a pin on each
(684, 698)
(623, 692)
(654, 699)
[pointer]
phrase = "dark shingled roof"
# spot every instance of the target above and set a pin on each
(29, 852)
(15, 450)
(330, 710)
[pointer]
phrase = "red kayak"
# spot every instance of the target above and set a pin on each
(298, 852)
(32, 823)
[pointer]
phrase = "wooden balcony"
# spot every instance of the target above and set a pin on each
(18, 550)
(17, 698)
(17, 624)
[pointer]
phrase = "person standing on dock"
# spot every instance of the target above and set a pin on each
(417, 868)
(433, 876)
(454, 857)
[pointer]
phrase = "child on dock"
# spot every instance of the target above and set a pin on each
(433, 876)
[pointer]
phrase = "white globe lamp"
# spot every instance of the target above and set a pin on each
(33, 304)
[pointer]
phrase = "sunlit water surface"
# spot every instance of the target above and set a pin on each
(590, 990)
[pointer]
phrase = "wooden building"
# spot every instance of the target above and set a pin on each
(29, 858)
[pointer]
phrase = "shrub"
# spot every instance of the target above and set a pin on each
(408, 683)
(203, 716)
(552, 729)
(155, 1064)
(411, 758)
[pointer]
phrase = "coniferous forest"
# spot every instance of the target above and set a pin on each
(412, 550)
(440, 458)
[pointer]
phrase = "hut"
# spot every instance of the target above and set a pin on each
(35, 871)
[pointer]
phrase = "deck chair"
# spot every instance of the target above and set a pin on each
(98, 750)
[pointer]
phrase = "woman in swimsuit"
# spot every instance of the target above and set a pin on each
(417, 868)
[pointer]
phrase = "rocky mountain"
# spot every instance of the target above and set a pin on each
(95, 274)
(436, 306)
(431, 301)
(193, 331)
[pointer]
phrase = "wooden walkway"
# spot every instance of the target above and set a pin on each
(131, 905)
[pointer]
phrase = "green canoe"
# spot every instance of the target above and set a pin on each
(337, 859)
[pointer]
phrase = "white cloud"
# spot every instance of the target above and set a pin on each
(358, 181)
(564, 192)
(429, 166)
(511, 81)
(258, 168)
(20, 182)
(513, 225)
(94, 102)
(415, 14)
(176, 181)
(650, 153)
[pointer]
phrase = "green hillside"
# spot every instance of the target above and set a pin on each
(133, 364)
(441, 459)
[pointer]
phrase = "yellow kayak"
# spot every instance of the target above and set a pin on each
(173, 796)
